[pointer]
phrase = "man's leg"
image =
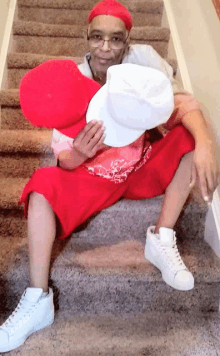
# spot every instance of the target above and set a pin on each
(168, 170)
(161, 248)
(41, 234)
(176, 194)
(35, 310)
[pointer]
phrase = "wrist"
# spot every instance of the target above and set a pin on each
(77, 155)
(70, 159)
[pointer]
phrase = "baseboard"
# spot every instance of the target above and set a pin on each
(212, 226)
(6, 42)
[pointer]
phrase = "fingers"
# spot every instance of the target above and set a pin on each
(94, 136)
(203, 184)
(98, 145)
(89, 131)
(90, 139)
(213, 178)
(193, 176)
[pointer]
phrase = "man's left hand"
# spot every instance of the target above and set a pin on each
(205, 167)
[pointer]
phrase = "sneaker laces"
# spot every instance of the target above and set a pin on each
(172, 256)
(22, 313)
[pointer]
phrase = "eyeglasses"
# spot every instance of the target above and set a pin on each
(115, 42)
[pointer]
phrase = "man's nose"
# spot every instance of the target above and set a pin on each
(106, 46)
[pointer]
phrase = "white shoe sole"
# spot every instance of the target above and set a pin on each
(148, 255)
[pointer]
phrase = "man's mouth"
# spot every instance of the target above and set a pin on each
(103, 60)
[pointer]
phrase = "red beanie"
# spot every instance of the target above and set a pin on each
(112, 8)
(56, 94)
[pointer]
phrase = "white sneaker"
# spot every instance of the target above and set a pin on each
(34, 312)
(161, 250)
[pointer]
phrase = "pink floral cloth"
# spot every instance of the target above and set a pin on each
(117, 163)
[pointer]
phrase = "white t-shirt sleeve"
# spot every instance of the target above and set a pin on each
(146, 55)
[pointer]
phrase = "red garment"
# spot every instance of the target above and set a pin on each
(76, 195)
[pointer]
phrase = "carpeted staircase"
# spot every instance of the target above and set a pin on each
(102, 282)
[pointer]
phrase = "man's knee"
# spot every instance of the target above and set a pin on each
(36, 199)
(188, 157)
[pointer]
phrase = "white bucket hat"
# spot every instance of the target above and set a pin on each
(134, 99)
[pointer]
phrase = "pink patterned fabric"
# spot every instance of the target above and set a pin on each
(116, 164)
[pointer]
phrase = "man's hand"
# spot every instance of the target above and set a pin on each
(90, 139)
(205, 167)
(85, 145)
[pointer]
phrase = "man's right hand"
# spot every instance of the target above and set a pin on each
(90, 139)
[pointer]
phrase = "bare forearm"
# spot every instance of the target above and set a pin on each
(70, 159)
(197, 125)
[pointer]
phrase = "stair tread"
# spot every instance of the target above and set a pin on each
(9, 97)
(135, 5)
(10, 191)
(50, 30)
(74, 260)
(29, 61)
(26, 141)
(152, 333)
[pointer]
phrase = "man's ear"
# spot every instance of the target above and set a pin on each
(86, 38)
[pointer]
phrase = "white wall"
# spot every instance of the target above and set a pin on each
(198, 28)
(7, 14)
(4, 9)
(195, 29)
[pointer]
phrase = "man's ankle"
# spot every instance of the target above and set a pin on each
(45, 290)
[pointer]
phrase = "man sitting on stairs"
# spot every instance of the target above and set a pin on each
(193, 157)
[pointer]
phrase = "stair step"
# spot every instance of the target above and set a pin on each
(79, 17)
(65, 40)
(134, 5)
(22, 152)
(9, 97)
(24, 141)
(13, 119)
(20, 63)
(11, 189)
(149, 334)
(29, 28)
(30, 60)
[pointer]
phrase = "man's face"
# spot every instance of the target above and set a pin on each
(104, 57)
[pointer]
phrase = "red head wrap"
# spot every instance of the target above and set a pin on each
(112, 8)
